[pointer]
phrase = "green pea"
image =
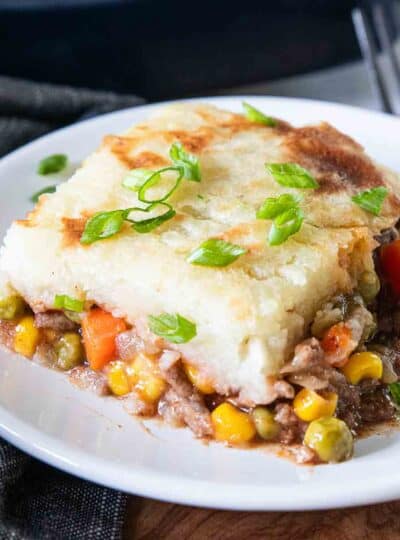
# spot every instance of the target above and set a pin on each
(11, 307)
(369, 286)
(330, 438)
(266, 426)
(69, 351)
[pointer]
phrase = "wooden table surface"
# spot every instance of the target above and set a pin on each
(153, 520)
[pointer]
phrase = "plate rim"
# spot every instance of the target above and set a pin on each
(165, 486)
(196, 492)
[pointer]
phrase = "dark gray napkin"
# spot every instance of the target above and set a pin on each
(29, 109)
(37, 501)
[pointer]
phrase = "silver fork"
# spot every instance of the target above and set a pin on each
(376, 23)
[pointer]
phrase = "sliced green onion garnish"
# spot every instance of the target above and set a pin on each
(103, 225)
(185, 165)
(154, 179)
(149, 224)
(285, 225)
(189, 162)
(63, 301)
(135, 178)
(292, 175)
(273, 206)
(254, 115)
(106, 224)
(49, 189)
(215, 252)
(52, 164)
(371, 200)
(172, 327)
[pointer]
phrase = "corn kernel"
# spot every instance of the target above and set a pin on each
(232, 425)
(364, 365)
(308, 405)
(26, 337)
(144, 375)
(140, 365)
(117, 378)
(151, 388)
(199, 381)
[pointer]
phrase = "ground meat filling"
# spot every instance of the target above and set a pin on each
(134, 404)
(365, 403)
(56, 320)
(85, 378)
(183, 403)
(375, 405)
(130, 343)
(308, 367)
(387, 236)
(390, 355)
(7, 333)
(292, 428)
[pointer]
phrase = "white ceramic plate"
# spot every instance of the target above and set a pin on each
(41, 413)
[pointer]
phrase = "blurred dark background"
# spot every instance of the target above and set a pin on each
(172, 48)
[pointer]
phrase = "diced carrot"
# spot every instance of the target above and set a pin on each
(99, 330)
(337, 337)
(337, 343)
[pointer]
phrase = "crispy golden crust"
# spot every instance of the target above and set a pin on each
(122, 148)
(339, 162)
(193, 142)
(72, 230)
(149, 160)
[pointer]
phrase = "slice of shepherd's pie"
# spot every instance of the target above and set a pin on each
(228, 272)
